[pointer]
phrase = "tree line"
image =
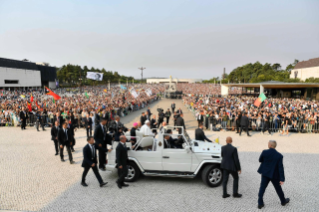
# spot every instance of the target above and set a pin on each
(257, 72)
(74, 74)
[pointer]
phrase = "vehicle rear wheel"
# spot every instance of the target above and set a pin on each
(133, 172)
(212, 175)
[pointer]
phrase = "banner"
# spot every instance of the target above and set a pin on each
(123, 87)
(133, 92)
(94, 76)
(148, 92)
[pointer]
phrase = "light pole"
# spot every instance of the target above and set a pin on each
(141, 68)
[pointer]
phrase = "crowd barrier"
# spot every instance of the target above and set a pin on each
(256, 125)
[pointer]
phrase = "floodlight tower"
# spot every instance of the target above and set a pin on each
(141, 68)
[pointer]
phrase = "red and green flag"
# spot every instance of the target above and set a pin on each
(260, 99)
(51, 93)
(29, 106)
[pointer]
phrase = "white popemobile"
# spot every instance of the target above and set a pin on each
(196, 158)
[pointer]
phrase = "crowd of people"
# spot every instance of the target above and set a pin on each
(273, 115)
(74, 103)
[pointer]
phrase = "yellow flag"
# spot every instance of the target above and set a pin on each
(216, 140)
(22, 96)
(105, 90)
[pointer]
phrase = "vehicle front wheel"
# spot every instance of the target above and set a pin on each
(133, 172)
(212, 175)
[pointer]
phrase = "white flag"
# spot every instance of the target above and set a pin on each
(94, 76)
(148, 92)
(133, 92)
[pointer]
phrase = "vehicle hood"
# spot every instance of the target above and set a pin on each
(206, 147)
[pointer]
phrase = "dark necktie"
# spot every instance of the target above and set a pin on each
(93, 151)
(66, 134)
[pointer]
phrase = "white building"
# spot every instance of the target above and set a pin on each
(306, 69)
(157, 81)
(15, 74)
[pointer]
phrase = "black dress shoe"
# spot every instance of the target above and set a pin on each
(237, 195)
(249, 135)
(103, 184)
(225, 196)
(125, 185)
(56, 153)
(62, 160)
(287, 201)
(84, 184)
(71, 162)
(261, 206)
(103, 168)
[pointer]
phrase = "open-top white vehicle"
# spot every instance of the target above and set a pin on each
(195, 158)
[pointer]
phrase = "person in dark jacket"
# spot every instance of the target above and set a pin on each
(97, 118)
(168, 115)
(271, 169)
(244, 122)
(200, 118)
(173, 107)
(88, 125)
(200, 135)
(72, 129)
(238, 119)
(230, 165)
(65, 140)
(89, 161)
(122, 161)
(23, 117)
(54, 137)
(160, 118)
(102, 138)
(143, 118)
(180, 123)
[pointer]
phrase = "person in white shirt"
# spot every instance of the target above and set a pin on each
(146, 129)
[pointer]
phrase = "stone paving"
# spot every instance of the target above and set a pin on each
(33, 179)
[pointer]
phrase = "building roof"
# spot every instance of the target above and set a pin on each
(274, 85)
(9, 63)
(307, 64)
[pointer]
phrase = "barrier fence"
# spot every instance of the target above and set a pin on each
(277, 125)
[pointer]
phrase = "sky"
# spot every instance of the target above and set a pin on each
(183, 38)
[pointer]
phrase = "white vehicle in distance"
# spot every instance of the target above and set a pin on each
(196, 158)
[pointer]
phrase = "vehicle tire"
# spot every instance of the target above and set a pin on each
(212, 175)
(133, 172)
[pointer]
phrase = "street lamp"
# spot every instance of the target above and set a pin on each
(141, 68)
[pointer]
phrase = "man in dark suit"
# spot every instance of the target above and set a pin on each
(64, 138)
(173, 107)
(168, 115)
(59, 118)
(238, 119)
(271, 169)
(200, 135)
(160, 118)
(116, 126)
(97, 118)
(89, 161)
(88, 125)
(244, 122)
(23, 118)
(122, 161)
(72, 130)
(148, 113)
(143, 118)
(179, 111)
(180, 123)
(230, 165)
(54, 137)
(102, 138)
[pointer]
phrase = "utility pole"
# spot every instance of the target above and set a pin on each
(142, 68)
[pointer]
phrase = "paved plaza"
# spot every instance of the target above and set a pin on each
(32, 178)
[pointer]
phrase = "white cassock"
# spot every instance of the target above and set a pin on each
(146, 130)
